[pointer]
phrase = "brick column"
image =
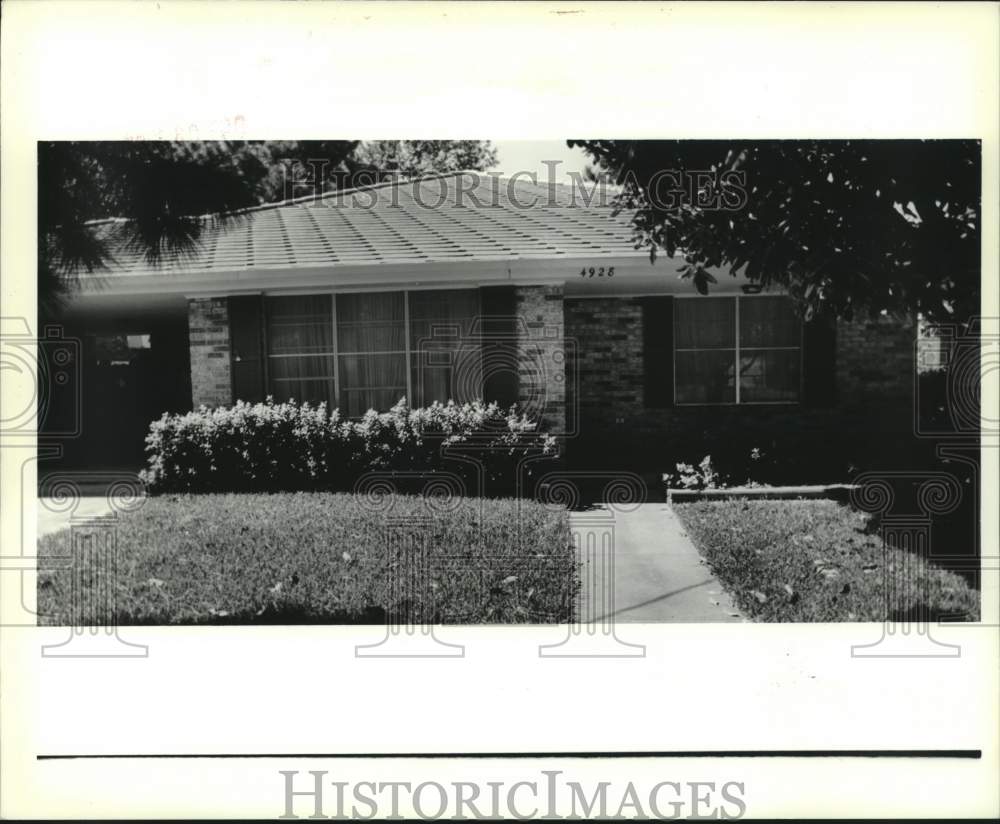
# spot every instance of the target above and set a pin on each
(542, 359)
(208, 326)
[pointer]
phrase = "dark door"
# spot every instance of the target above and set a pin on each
(130, 380)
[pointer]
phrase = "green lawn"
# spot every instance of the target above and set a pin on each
(325, 558)
(813, 561)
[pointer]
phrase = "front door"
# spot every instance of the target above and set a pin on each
(117, 402)
(129, 379)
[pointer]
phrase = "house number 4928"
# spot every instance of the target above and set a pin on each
(597, 272)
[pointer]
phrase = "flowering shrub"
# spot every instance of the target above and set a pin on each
(289, 446)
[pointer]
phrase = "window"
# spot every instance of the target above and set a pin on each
(119, 350)
(446, 355)
(371, 351)
(367, 350)
(712, 336)
(300, 348)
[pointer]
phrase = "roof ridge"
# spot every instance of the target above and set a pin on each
(382, 184)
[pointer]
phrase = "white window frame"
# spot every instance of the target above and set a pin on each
(336, 353)
(736, 353)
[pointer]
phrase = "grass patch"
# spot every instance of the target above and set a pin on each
(323, 558)
(815, 561)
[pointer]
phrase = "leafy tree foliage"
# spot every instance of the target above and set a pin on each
(164, 193)
(411, 158)
(846, 226)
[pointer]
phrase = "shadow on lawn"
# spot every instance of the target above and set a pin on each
(923, 613)
(954, 540)
(371, 616)
(296, 617)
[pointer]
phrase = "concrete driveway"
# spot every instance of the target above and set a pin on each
(657, 574)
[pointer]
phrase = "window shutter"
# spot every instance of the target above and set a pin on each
(819, 362)
(246, 347)
(500, 351)
(658, 351)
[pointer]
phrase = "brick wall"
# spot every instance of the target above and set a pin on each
(208, 326)
(581, 361)
(875, 361)
(541, 374)
(541, 370)
(616, 430)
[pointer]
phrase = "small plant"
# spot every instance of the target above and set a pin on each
(758, 467)
(703, 476)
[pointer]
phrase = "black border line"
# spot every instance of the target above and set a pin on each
(868, 753)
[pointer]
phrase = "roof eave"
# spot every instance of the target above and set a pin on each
(526, 269)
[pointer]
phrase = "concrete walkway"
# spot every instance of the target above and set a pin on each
(51, 519)
(658, 575)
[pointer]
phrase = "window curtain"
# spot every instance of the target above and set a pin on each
(769, 321)
(300, 348)
(770, 376)
(371, 346)
(706, 323)
(446, 358)
(706, 376)
(369, 361)
(770, 350)
(705, 350)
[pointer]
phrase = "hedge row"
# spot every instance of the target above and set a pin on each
(267, 447)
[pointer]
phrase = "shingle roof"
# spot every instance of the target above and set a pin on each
(449, 218)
